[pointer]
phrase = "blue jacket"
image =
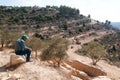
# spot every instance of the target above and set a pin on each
(20, 45)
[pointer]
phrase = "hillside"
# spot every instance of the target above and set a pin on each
(36, 15)
(47, 21)
(40, 70)
(47, 28)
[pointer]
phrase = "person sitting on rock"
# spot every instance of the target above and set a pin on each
(21, 48)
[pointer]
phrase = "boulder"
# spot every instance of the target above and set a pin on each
(15, 60)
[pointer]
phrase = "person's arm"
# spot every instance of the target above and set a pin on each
(27, 48)
(24, 47)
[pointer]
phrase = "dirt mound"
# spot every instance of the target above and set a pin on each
(91, 71)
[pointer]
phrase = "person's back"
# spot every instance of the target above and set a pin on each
(21, 48)
(20, 45)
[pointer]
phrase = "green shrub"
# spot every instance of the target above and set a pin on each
(94, 50)
(35, 44)
(56, 50)
(8, 38)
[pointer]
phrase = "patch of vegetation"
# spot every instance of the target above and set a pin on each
(34, 15)
(56, 50)
(111, 42)
(36, 44)
(8, 38)
(93, 34)
(94, 50)
(112, 46)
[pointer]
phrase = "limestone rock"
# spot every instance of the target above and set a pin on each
(15, 60)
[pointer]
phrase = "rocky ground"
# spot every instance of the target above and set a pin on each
(75, 68)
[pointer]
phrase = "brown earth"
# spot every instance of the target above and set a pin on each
(75, 68)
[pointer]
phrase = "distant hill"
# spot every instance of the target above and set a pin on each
(36, 15)
(116, 24)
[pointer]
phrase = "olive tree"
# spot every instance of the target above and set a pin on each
(56, 50)
(8, 37)
(94, 50)
(35, 44)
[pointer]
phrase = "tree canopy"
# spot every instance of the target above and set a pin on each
(35, 14)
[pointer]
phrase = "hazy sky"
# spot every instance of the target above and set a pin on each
(98, 9)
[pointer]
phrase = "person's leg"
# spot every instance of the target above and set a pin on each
(19, 53)
(26, 53)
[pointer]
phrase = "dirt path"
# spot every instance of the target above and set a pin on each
(87, 39)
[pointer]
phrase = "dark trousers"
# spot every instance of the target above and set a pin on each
(26, 52)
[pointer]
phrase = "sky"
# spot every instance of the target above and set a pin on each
(98, 9)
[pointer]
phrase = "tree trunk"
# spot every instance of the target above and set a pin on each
(95, 60)
(59, 62)
(2, 45)
(36, 54)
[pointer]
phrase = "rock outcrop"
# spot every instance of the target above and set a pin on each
(91, 71)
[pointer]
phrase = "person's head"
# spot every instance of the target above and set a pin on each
(24, 37)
